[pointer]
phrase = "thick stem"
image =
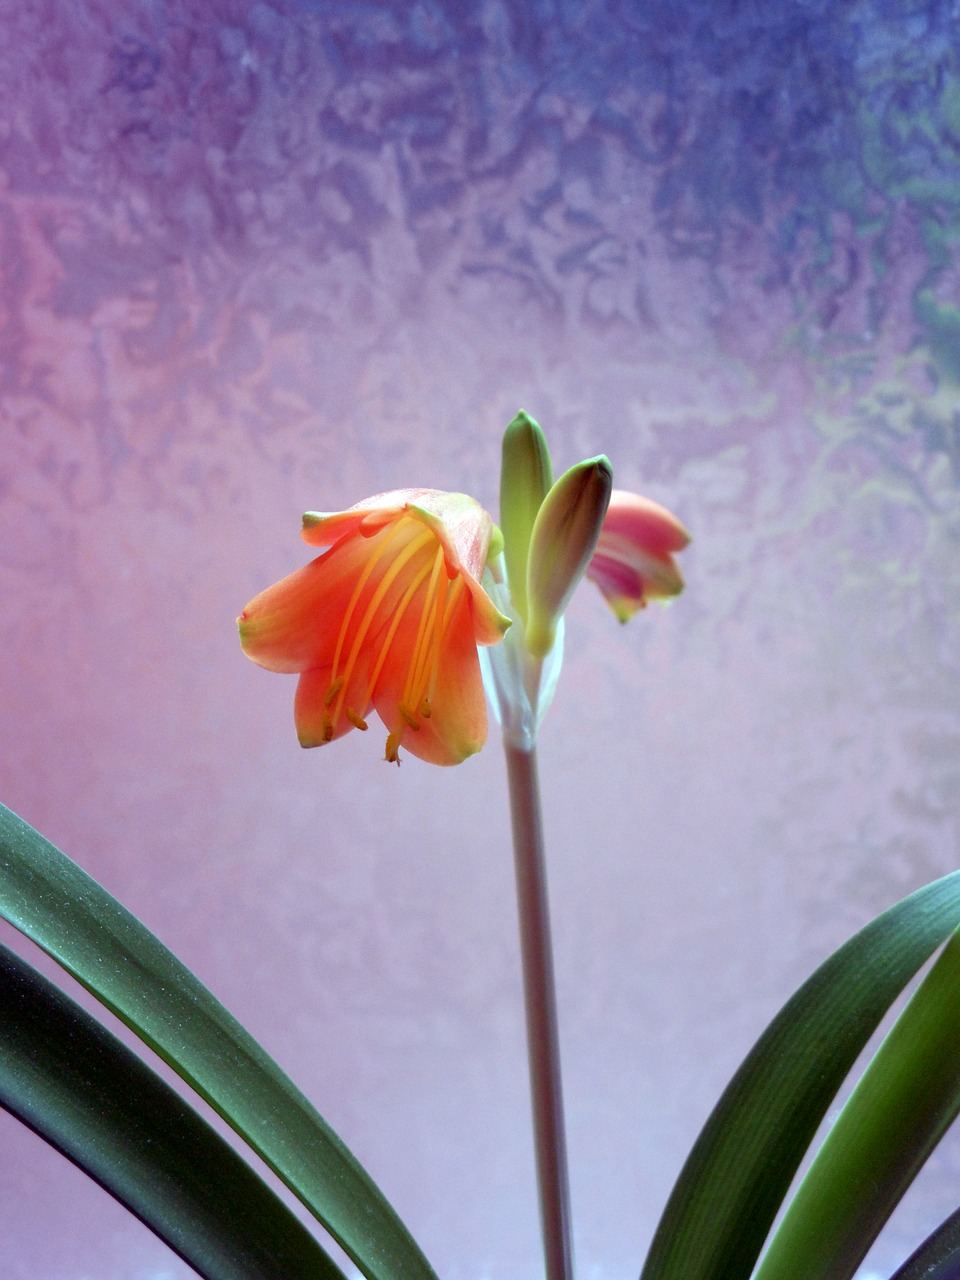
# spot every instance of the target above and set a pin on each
(543, 1047)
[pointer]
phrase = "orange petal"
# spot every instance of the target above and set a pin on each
(489, 624)
(462, 526)
(316, 714)
(362, 607)
(323, 528)
(463, 529)
(457, 724)
(293, 625)
(320, 529)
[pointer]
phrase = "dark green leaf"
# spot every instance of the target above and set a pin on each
(741, 1166)
(77, 1086)
(56, 904)
(938, 1258)
(902, 1106)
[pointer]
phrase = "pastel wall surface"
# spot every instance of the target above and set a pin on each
(260, 256)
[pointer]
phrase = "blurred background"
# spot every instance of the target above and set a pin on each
(260, 256)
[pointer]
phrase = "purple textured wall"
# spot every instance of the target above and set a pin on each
(262, 257)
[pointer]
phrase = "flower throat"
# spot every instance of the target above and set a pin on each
(423, 611)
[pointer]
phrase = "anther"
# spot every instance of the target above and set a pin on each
(408, 716)
(356, 720)
(333, 691)
(327, 732)
(393, 748)
(425, 708)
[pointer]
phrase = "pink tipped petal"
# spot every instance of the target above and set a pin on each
(465, 526)
(633, 562)
(643, 523)
(658, 574)
(622, 587)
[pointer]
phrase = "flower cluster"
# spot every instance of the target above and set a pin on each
(415, 583)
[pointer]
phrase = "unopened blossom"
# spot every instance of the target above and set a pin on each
(554, 533)
(634, 558)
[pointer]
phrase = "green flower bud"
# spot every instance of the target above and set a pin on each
(562, 540)
(525, 480)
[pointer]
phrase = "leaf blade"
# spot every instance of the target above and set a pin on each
(77, 1086)
(902, 1105)
(741, 1166)
(74, 920)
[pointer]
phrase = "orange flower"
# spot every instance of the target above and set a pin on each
(633, 562)
(388, 618)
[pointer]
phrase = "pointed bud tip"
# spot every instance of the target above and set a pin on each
(523, 420)
(526, 478)
(562, 543)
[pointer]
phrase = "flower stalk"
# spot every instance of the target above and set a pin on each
(553, 534)
(543, 1046)
(417, 605)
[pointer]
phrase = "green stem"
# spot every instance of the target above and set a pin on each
(543, 1047)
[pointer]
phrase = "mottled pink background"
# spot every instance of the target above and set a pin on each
(261, 257)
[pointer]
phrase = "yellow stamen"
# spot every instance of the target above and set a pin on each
(392, 630)
(454, 594)
(396, 567)
(393, 741)
(437, 600)
(412, 684)
(368, 568)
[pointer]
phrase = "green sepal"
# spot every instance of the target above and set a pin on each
(526, 476)
(76, 1085)
(564, 538)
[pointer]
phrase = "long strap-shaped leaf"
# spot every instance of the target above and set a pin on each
(903, 1104)
(56, 904)
(79, 1087)
(938, 1258)
(741, 1166)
